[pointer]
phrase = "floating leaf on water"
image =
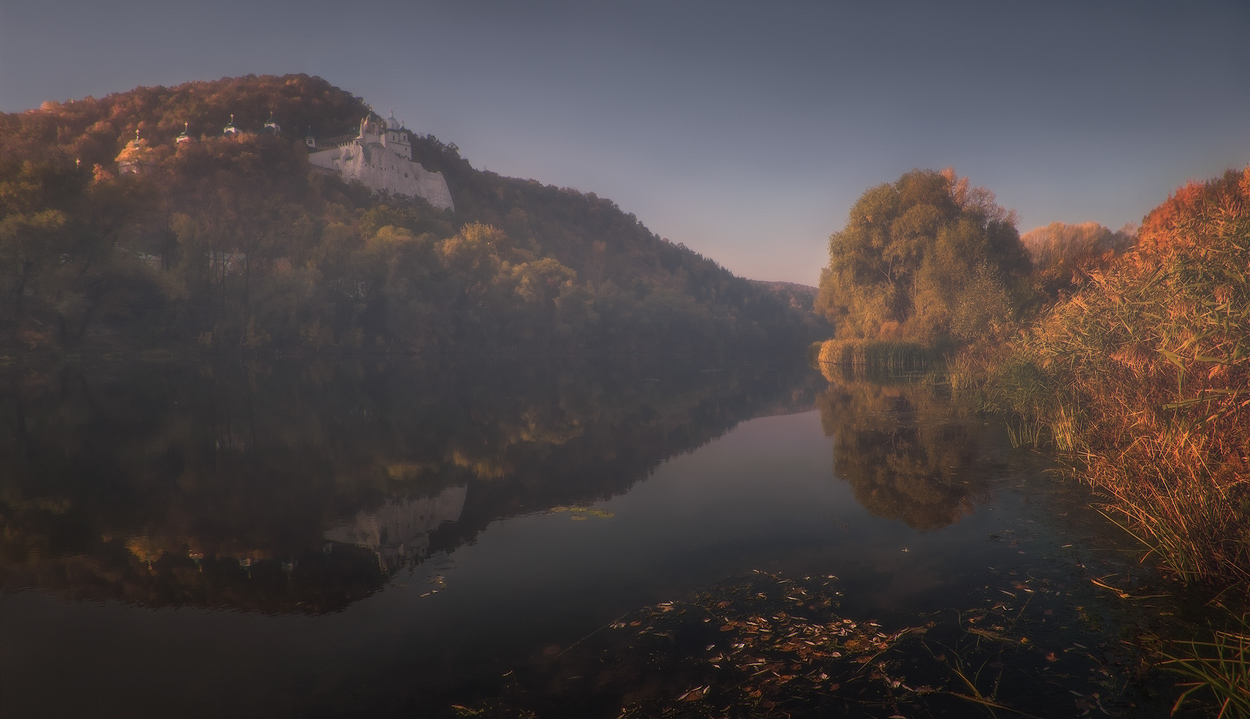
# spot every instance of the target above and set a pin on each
(694, 694)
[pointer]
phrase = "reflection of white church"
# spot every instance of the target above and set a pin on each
(380, 157)
(399, 531)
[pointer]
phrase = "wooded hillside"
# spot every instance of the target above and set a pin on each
(237, 242)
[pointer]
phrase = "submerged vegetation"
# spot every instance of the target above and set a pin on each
(771, 645)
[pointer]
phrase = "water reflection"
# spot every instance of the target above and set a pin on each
(905, 449)
(398, 532)
(285, 488)
(304, 490)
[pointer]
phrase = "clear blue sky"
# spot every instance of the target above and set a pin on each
(744, 129)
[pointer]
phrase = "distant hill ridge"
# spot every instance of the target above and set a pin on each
(234, 239)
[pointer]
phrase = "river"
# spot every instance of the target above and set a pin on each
(546, 538)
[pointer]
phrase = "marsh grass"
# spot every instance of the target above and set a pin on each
(878, 355)
(1220, 666)
(1022, 431)
(1064, 429)
(1142, 380)
(964, 371)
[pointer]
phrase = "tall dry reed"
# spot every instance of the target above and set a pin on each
(1144, 377)
(878, 355)
(1220, 666)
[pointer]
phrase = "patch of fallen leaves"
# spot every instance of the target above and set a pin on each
(773, 646)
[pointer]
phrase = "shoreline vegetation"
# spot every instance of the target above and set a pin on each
(1128, 356)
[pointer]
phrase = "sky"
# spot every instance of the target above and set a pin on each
(745, 130)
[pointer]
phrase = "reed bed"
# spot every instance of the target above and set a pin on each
(1143, 378)
(878, 355)
(1219, 666)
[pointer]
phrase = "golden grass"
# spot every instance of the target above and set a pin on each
(877, 355)
(1143, 379)
(1220, 666)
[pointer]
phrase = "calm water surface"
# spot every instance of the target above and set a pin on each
(397, 539)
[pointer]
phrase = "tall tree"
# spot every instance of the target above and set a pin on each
(925, 259)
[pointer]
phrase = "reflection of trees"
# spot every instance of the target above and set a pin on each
(302, 488)
(904, 451)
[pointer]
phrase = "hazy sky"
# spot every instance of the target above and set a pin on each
(744, 129)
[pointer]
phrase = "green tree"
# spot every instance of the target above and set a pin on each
(924, 259)
(28, 247)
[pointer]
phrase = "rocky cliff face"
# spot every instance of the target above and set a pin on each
(381, 169)
(380, 157)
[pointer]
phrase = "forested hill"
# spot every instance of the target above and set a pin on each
(215, 241)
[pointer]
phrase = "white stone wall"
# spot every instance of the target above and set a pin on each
(378, 167)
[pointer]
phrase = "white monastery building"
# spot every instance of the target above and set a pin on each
(380, 157)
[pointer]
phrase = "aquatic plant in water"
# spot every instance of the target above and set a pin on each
(771, 645)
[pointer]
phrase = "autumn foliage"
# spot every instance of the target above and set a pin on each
(1144, 374)
(133, 220)
(927, 261)
(1064, 256)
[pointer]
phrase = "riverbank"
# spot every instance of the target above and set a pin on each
(1142, 380)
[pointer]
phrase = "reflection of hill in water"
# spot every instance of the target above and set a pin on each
(277, 488)
(906, 450)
